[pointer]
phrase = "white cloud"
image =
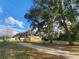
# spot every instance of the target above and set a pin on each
(12, 21)
(1, 10)
(14, 30)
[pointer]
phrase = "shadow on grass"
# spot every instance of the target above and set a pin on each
(66, 47)
(9, 50)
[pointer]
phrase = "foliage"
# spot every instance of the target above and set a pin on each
(46, 13)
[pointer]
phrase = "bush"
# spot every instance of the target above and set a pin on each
(45, 39)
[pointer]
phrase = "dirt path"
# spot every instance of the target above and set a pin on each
(67, 54)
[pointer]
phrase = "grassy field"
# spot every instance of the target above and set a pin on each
(62, 45)
(9, 50)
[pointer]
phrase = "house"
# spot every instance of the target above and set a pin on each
(28, 38)
(32, 38)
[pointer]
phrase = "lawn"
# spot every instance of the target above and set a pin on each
(57, 44)
(62, 45)
(9, 50)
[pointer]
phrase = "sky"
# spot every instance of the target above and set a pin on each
(12, 15)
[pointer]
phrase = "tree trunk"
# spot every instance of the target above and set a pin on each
(70, 39)
(67, 31)
(71, 43)
(51, 41)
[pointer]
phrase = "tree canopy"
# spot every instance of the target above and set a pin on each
(46, 13)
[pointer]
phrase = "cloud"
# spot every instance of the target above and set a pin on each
(14, 30)
(12, 21)
(1, 10)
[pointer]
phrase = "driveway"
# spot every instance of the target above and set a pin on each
(67, 54)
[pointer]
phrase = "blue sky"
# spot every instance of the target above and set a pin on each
(12, 14)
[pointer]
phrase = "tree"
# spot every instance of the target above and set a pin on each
(39, 17)
(8, 33)
(47, 12)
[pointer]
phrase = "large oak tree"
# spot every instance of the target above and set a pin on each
(46, 13)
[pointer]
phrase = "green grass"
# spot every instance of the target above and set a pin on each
(61, 42)
(9, 40)
(61, 45)
(56, 42)
(1, 40)
(11, 50)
